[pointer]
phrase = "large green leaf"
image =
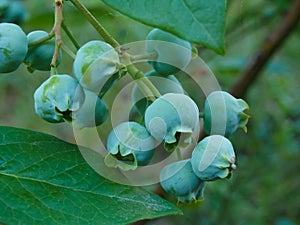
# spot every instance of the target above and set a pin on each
(198, 21)
(44, 180)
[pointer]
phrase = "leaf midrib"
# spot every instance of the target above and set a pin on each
(199, 22)
(115, 195)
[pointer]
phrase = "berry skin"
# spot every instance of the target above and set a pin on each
(223, 114)
(172, 118)
(92, 105)
(57, 98)
(129, 145)
(95, 62)
(13, 47)
(39, 57)
(173, 53)
(213, 158)
(179, 179)
(168, 84)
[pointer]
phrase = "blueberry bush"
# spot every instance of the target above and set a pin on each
(147, 112)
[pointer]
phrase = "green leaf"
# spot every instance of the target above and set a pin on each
(198, 21)
(44, 180)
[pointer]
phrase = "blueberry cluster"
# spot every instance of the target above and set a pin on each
(76, 99)
(169, 120)
(214, 157)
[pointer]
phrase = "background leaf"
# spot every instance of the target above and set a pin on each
(199, 21)
(44, 180)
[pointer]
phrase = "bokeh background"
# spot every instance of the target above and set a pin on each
(265, 189)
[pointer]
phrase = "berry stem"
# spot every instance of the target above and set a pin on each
(68, 51)
(53, 71)
(149, 56)
(201, 114)
(138, 75)
(94, 22)
(57, 30)
(42, 40)
(70, 35)
(178, 154)
(145, 90)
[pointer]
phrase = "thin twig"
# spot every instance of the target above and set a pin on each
(57, 30)
(93, 21)
(271, 44)
(71, 36)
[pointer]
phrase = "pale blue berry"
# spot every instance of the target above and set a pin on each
(95, 62)
(224, 114)
(93, 112)
(129, 145)
(213, 158)
(57, 98)
(179, 179)
(172, 119)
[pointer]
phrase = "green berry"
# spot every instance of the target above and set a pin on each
(173, 53)
(168, 84)
(13, 47)
(57, 98)
(223, 114)
(172, 119)
(39, 57)
(92, 113)
(179, 179)
(95, 62)
(213, 158)
(129, 145)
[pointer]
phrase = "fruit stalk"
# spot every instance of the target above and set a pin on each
(57, 30)
(70, 36)
(100, 29)
(43, 39)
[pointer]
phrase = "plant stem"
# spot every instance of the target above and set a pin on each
(94, 22)
(178, 154)
(68, 51)
(71, 36)
(41, 40)
(149, 56)
(152, 88)
(145, 90)
(57, 30)
(270, 45)
(138, 75)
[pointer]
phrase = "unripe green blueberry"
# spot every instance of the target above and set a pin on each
(15, 12)
(57, 98)
(168, 84)
(92, 113)
(172, 118)
(213, 158)
(95, 62)
(223, 114)
(39, 57)
(179, 179)
(129, 145)
(13, 47)
(173, 53)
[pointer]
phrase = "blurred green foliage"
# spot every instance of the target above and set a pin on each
(265, 187)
